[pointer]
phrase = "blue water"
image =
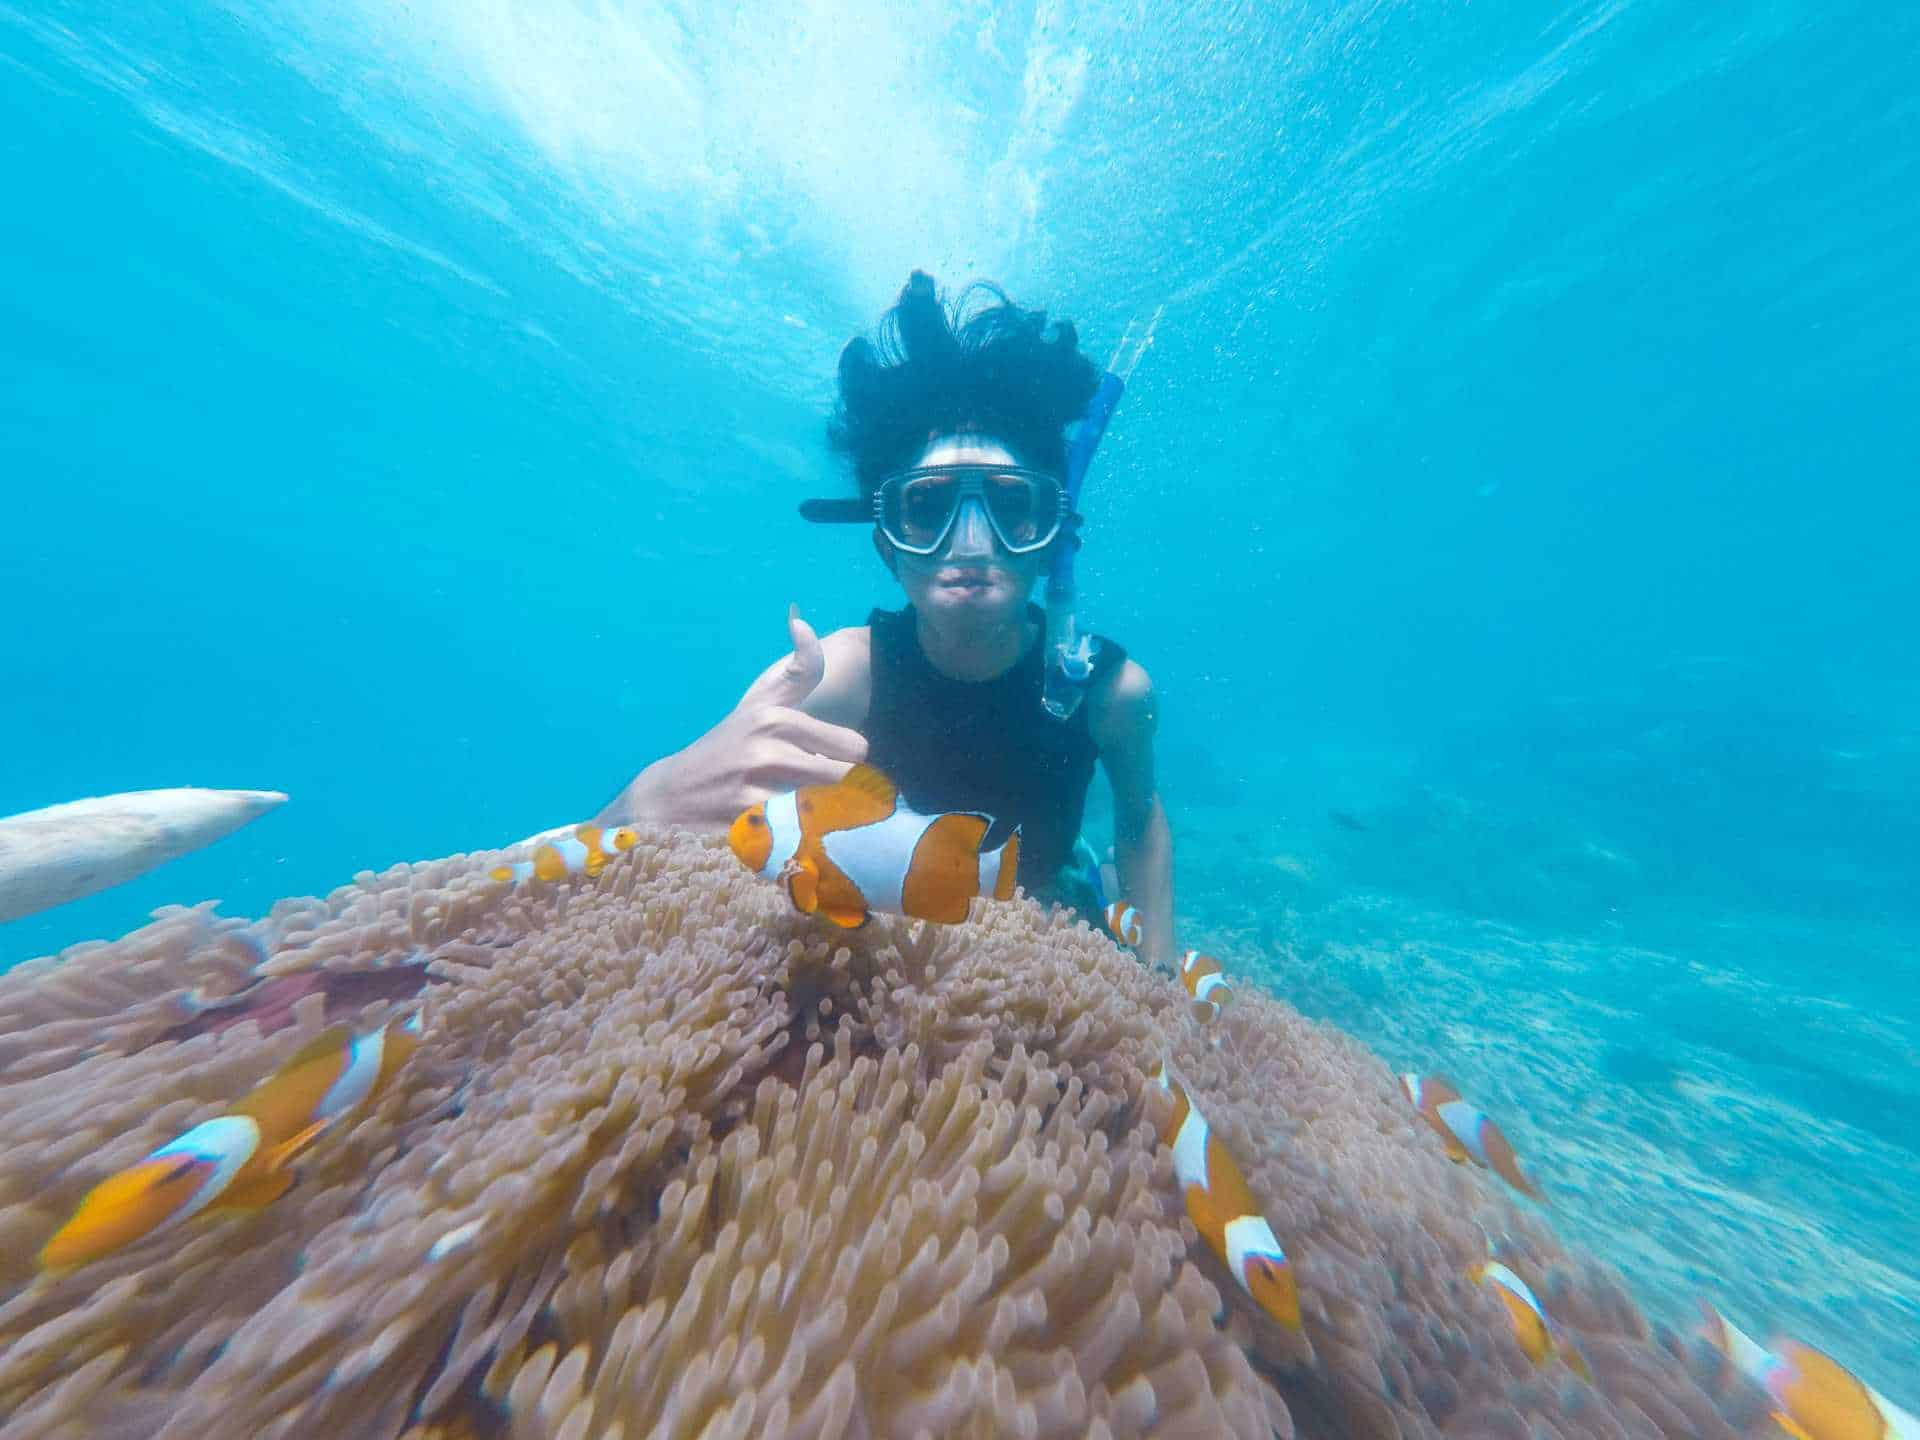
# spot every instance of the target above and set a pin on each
(405, 408)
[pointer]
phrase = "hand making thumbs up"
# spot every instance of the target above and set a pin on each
(767, 743)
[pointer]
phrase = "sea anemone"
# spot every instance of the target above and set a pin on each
(674, 1160)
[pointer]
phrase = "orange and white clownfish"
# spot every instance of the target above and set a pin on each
(1222, 1207)
(240, 1160)
(1814, 1397)
(1210, 989)
(328, 1079)
(849, 849)
(1466, 1132)
(1533, 1329)
(586, 852)
(1123, 922)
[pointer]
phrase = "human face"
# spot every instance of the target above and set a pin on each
(972, 579)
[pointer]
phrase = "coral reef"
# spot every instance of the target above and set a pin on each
(675, 1161)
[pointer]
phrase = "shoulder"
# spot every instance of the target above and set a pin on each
(850, 651)
(1122, 710)
(845, 691)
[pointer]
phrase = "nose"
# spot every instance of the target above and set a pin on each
(972, 537)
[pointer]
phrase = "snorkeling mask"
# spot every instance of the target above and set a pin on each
(916, 509)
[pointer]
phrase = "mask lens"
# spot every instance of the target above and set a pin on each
(922, 506)
(917, 507)
(1024, 509)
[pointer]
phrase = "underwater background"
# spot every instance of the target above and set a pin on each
(406, 407)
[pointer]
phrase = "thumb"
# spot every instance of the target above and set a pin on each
(791, 680)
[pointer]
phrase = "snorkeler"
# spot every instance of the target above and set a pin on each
(955, 424)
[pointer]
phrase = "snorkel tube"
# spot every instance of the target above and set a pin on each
(1069, 652)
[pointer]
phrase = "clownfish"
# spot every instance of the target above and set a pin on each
(240, 1160)
(1466, 1132)
(849, 849)
(1123, 921)
(1536, 1334)
(327, 1079)
(1222, 1208)
(1814, 1397)
(1210, 989)
(586, 852)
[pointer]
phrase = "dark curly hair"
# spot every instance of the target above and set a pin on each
(939, 369)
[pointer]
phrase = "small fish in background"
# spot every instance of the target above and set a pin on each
(63, 852)
(1348, 821)
(854, 848)
(1533, 1329)
(1212, 992)
(1123, 922)
(1467, 1133)
(240, 1160)
(1814, 1397)
(587, 852)
(1222, 1208)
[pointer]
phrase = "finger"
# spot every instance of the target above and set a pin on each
(823, 737)
(789, 681)
(796, 768)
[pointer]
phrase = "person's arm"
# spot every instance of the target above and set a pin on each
(791, 728)
(1123, 720)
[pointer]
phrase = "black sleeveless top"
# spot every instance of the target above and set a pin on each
(984, 745)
